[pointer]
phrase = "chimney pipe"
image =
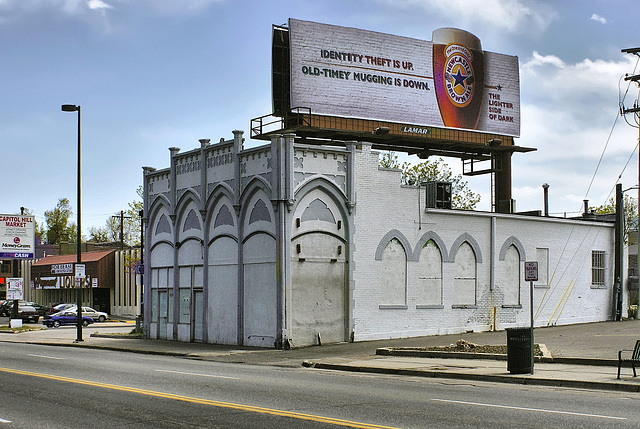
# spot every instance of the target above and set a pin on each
(586, 207)
(546, 198)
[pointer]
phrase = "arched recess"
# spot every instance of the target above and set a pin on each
(259, 282)
(511, 287)
(429, 292)
(465, 275)
(190, 270)
(222, 285)
(161, 252)
(393, 287)
(319, 278)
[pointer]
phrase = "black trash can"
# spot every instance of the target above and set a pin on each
(519, 351)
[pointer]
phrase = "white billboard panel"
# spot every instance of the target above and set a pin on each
(17, 236)
(356, 73)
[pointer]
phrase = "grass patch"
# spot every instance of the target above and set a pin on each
(498, 350)
(132, 334)
(23, 328)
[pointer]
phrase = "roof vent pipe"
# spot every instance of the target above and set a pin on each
(546, 198)
(586, 207)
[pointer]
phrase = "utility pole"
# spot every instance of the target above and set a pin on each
(122, 218)
(635, 111)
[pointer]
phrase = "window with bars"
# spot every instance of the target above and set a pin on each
(597, 267)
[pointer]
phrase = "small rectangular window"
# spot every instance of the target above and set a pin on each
(597, 267)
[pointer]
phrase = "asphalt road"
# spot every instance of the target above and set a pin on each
(54, 387)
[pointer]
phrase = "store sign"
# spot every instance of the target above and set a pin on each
(62, 269)
(63, 282)
(17, 236)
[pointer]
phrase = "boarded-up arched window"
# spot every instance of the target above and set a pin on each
(394, 274)
(464, 282)
(430, 275)
(512, 276)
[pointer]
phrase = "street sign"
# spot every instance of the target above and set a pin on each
(531, 271)
(139, 268)
(80, 271)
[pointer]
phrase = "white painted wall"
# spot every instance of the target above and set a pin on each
(386, 209)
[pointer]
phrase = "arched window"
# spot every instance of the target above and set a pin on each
(430, 275)
(464, 282)
(512, 276)
(394, 274)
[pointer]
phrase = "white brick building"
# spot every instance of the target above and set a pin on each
(289, 244)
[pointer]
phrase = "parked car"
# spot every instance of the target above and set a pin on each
(65, 318)
(28, 313)
(41, 309)
(25, 309)
(61, 307)
(98, 316)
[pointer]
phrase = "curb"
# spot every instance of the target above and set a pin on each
(405, 352)
(109, 348)
(512, 379)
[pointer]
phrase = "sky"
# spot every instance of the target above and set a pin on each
(154, 74)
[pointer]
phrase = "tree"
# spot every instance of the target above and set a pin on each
(40, 231)
(99, 235)
(134, 219)
(57, 222)
(130, 225)
(436, 170)
(630, 213)
(389, 160)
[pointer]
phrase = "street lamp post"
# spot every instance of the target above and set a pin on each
(74, 108)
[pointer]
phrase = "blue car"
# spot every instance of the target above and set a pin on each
(65, 318)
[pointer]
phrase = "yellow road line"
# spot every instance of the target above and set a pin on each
(249, 408)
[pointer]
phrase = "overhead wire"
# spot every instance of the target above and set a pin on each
(569, 289)
(621, 106)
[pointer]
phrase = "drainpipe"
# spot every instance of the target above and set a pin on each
(173, 186)
(205, 241)
(492, 276)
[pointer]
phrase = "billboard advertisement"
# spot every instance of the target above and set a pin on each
(449, 82)
(17, 236)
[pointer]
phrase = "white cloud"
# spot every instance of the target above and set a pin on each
(539, 60)
(568, 112)
(98, 4)
(596, 17)
(512, 16)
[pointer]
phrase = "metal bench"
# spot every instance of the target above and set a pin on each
(633, 360)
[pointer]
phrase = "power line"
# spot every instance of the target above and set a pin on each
(621, 106)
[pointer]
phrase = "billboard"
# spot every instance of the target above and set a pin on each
(17, 236)
(449, 82)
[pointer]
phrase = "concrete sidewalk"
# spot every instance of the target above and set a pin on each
(583, 356)
(488, 370)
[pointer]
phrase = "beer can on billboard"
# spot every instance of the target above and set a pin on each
(458, 73)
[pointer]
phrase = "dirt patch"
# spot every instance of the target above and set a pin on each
(466, 346)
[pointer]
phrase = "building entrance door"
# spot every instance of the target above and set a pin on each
(102, 299)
